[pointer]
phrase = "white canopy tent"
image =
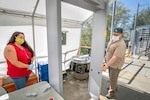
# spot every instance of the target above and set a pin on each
(20, 12)
(56, 15)
(16, 15)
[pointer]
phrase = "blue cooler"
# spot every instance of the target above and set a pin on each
(43, 72)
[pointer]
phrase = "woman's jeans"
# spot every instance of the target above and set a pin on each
(20, 82)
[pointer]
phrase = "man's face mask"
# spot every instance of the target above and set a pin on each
(19, 40)
(115, 38)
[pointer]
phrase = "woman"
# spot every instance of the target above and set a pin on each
(19, 58)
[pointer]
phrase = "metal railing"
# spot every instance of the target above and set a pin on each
(65, 58)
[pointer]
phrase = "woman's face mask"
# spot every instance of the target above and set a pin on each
(19, 40)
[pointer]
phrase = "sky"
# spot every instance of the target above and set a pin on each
(132, 4)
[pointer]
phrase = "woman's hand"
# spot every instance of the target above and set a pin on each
(32, 59)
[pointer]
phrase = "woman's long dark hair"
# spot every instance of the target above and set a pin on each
(25, 44)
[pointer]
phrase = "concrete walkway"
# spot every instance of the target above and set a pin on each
(133, 83)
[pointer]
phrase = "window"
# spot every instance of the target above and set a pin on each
(64, 37)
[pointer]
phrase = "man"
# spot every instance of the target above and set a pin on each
(129, 48)
(115, 55)
(148, 57)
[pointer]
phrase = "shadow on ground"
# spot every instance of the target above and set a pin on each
(124, 92)
(75, 89)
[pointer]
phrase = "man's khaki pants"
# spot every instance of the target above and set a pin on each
(113, 76)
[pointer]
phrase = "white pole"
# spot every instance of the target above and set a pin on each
(53, 18)
(113, 18)
(97, 53)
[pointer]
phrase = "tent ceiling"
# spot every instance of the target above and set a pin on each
(15, 18)
(73, 12)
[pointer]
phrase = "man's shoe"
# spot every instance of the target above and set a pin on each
(110, 96)
(116, 88)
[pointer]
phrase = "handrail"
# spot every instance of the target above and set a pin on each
(2, 62)
(47, 56)
(85, 47)
(41, 57)
(67, 53)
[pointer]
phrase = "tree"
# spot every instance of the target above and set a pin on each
(122, 16)
(143, 17)
(86, 35)
(122, 19)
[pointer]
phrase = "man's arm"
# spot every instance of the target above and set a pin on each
(111, 61)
